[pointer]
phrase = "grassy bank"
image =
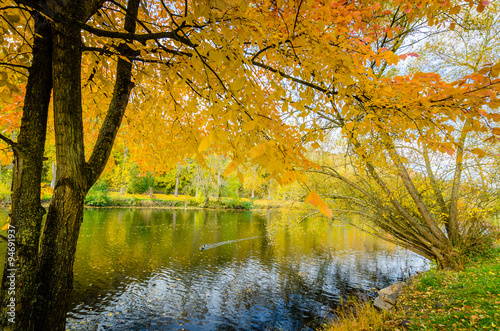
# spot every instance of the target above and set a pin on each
(438, 300)
(115, 199)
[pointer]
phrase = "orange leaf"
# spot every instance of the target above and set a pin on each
(479, 152)
(316, 201)
(6, 158)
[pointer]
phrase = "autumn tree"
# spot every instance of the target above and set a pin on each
(219, 77)
(55, 65)
(386, 118)
(70, 51)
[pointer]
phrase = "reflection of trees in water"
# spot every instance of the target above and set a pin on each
(136, 255)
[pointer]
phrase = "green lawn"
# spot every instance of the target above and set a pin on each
(438, 300)
(445, 300)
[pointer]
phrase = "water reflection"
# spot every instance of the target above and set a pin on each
(143, 269)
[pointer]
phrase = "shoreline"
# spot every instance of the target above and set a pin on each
(467, 299)
(191, 204)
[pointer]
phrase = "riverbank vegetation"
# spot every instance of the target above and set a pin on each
(437, 300)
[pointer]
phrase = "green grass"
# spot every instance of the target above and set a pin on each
(104, 199)
(438, 300)
(447, 300)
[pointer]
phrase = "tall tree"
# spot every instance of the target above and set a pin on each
(26, 210)
(355, 94)
(209, 76)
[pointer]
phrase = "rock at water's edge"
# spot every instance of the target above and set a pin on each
(387, 297)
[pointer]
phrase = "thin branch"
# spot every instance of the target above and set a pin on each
(8, 141)
(294, 79)
(14, 65)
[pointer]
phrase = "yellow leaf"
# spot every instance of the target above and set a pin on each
(6, 226)
(230, 168)
(288, 178)
(205, 143)
(301, 177)
(248, 126)
(257, 151)
(314, 199)
(240, 177)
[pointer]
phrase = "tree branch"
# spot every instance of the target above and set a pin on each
(143, 37)
(8, 141)
(14, 65)
(294, 79)
(117, 106)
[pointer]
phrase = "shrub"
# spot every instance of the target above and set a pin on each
(5, 179)
(247, 204)
(98, 194)
(140, 183)
(230, 203)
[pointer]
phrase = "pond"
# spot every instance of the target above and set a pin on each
(156, 269)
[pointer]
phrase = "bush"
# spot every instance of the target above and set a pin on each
(247, 204)
(98, 194)
(230, 203)
(236, 204)
(139, 183)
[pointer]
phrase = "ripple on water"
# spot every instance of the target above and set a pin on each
(155, 277)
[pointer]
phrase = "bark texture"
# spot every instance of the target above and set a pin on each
(27, 212)
(75, 176)
(58, 242)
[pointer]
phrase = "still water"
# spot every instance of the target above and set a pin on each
(139, 269)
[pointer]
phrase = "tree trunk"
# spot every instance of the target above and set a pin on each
(219, 185)
(54, 174)
(178, 174)
(124, 184)
(27, 212)
(452, 227)
(74, 175)
(197, 181)
(58, 242)
(269, 189)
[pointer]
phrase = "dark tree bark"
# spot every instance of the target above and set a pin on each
(27, 212)
(74, 175)
(55, 274)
